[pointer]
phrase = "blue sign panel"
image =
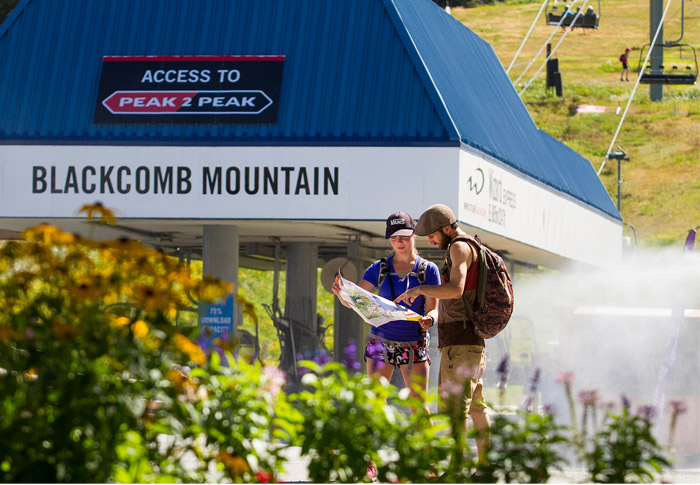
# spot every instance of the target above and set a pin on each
(216, 325)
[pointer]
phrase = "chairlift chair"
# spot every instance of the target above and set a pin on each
(680, 72)
(585, 21)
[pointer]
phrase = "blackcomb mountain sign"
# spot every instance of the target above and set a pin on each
(189, 89)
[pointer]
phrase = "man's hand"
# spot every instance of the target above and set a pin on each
(409, 295)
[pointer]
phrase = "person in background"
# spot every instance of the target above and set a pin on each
(624, 59)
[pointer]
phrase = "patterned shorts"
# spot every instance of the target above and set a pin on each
(394, 353)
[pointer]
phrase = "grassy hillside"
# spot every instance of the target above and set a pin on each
(661, 182)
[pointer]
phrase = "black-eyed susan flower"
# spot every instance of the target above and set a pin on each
(192, 350)
(92, 211)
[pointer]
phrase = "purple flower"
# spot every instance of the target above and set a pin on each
(549, 409)
(375, 349)
(502, 370)
(322, 359)
(626, 405)
(351, 350)
(646, 412)
(534, 382)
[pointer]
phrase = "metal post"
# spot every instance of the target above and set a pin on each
(619, 156)
(656, 60)
(619, 180)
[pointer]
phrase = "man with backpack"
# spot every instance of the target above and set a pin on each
(462, 355)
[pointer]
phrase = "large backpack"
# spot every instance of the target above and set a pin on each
(384, 269)
(493, 305)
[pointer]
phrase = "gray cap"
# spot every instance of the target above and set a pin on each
(434, 218)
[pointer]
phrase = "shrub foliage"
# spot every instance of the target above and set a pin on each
(99, 384)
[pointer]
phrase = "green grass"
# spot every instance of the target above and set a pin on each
(661, 180)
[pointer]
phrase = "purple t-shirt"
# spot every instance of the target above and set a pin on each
(401, 330)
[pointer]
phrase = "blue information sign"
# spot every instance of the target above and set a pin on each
(216, 324)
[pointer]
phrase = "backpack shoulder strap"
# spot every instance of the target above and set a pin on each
(383, 271)
(477, 247)
(422, 265)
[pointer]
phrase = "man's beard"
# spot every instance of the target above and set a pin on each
(444, 241)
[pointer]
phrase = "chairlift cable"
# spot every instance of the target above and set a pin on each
(568, 29)
(532, 27)
(636, 85)
(671, 42)
(554, 31)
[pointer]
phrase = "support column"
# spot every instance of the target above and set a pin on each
(300, 303)
(347, 324)
(220, 259)
(656, 60)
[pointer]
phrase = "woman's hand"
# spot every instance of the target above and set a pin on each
(336, 291)
(426, 322)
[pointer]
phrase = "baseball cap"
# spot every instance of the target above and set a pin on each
(434, 218)
(399, 224)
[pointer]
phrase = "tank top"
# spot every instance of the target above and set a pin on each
(452, 314)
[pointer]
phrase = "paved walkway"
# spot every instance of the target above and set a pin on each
(297, 472)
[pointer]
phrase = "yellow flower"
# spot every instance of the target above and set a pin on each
(120, 322)
(193, 351)
(211, 289)
(172, 311)
(48, 234)
(236, 465)
(111, 298)
(139, 328)
(248, 308)
(84, 291)
(97, 209)
(31, 374)
(152, 298)
(183, 384)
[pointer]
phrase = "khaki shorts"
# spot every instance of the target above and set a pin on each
(461, 371)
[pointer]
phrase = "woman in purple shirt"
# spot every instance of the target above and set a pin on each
(401, 343)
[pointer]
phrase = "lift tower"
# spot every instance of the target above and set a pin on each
(656, 60)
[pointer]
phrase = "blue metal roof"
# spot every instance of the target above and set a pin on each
(357, 72)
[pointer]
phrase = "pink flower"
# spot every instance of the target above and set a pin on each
(588, 398)
(609, 406)
(566, 378)
(448, 389)
(276, 378)
(678, 407)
